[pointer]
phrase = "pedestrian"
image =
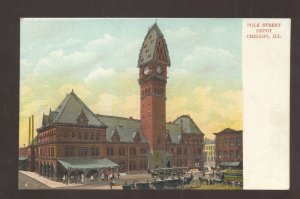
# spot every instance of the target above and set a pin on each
(118, 176)
(92, 178)
(82, 178)
(64, 179)
(102, 176)
(111, 184)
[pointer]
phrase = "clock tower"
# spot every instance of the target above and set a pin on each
(153, 63)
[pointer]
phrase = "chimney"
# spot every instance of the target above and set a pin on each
(29, 133)
(32, 128)
(181, 126)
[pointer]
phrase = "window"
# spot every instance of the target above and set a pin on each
(94, 151)
(92, 136)
(72, 151)
(97, 136)
(143, 151)
(231, 142)
(110, 151)
(225, 142)
(199, 151)
(66, 135)
(85, 153)
(66, 151)
(231, 154)
(178, 151)
(73, 135)
(225, 154)
(185, 151)
(122, 151)
(238, 154)
(238, 142)
(132, 151)
(79, 136)
(85, 136)
(80, 151)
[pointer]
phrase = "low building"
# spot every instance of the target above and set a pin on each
(209, 154)
(229, 148)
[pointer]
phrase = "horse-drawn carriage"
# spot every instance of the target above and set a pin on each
(158, 184)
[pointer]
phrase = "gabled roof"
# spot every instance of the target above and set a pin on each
(149, 47)
(69, 110)
(187, 124)
(127, 128)
(229, 131)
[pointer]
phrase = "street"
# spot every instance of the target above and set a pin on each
(26, 182)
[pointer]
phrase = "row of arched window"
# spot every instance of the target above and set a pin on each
(231, 155)
(230, 142)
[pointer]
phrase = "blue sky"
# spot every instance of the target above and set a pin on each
(98, 59)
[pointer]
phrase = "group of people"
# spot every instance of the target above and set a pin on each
(82, 178)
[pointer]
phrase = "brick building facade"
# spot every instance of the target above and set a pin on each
(74, 132)
(229, 148)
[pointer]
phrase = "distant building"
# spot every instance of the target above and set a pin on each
(209, 154)
(72, 139)
(229, 148)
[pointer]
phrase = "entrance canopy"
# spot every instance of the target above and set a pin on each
(88, 164)
(22, 158)
(230, 164)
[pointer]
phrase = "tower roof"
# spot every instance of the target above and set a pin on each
(150, 44)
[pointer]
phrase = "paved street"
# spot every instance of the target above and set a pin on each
(31, 180)
(26, 182)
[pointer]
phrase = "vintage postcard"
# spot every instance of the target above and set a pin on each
(154, 103)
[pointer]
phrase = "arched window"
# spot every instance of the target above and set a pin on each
(238, 154)
(231, 142)
(238, 142)
(231, 154)
(225, 142)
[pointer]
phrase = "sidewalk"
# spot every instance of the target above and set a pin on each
(47, 182)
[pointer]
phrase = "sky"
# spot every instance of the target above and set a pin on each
(97, 58)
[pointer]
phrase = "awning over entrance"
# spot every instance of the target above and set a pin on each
(22, 158)
(229, 164)
(88, 163)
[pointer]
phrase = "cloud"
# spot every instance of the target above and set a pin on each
(208, 60)
(59, 63)
(106, 104)
(211, 109)
(182, 37)
(109, 104)
(101, 42)
(99, 73)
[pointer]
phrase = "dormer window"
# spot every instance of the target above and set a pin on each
(115, 137)
(82, 119)
(136, 137)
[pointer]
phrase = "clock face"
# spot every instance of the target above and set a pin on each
(146, 70)
(159, 69)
